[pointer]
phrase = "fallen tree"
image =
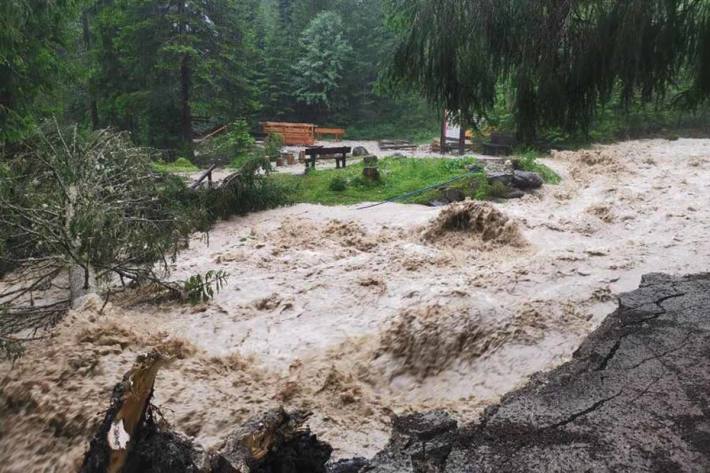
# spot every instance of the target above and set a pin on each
(79, 209)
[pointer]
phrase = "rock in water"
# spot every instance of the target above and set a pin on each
(523, 180)
(526, 180)
(454, 195)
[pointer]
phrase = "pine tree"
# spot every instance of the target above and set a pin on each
(562, 59)
(324, 57)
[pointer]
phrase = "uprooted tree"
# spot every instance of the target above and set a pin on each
(81, 209)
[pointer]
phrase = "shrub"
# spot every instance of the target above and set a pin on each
(235, 143)
(272, 145)
(338, 184)
(498, 190)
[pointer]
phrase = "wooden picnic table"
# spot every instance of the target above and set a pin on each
(340, 154)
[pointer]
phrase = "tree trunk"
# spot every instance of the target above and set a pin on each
(442, 138)
(82, 281)
(185, 111)
(462, 137)
(93, 108)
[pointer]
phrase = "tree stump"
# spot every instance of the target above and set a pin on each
(371, 173)
(370, 160)
(112, 444)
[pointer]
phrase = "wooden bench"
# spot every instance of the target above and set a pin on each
(339, 153)
(338, 133)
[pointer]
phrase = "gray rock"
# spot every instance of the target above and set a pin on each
(354, 465)
(420, 443)
(515, 194)
(523, 180)
(454, 195)
(360, 151)
(502, 177)
(526, 180)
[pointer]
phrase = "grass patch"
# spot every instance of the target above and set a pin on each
(397, 176)
(179, 165)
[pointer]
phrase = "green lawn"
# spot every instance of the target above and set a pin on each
(398, 176)
(177, 166)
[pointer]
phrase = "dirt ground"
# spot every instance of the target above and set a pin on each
(360, 314)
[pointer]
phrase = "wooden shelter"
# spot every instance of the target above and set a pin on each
(293, 134)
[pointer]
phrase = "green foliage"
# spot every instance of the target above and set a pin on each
(234, 145)
(249, 190)
(497, 190)
(177, 166)
(93, 200)
(272, 146)
(398, 176)
(481, 187)
(159, 64)
(338, 184)
(528, 162)
(556, 62)
(33, 38)
(324, 57)
(201, 288)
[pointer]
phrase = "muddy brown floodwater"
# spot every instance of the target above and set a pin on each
(360, 314)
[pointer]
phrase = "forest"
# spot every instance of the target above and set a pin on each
(169, 71)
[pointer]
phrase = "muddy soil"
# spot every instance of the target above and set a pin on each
(361, 314)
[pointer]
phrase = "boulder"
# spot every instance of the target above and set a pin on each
(515, 194)
(354, 465)
(527, 180)
(360, 151)
(523, 180)
(503, 177)
(420, 443)
(454, 195)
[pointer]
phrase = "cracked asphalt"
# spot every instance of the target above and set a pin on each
(635, 398)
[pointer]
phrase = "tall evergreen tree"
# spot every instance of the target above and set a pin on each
(33, 34)
(162, 60)
(563, 59)
(325, 54)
